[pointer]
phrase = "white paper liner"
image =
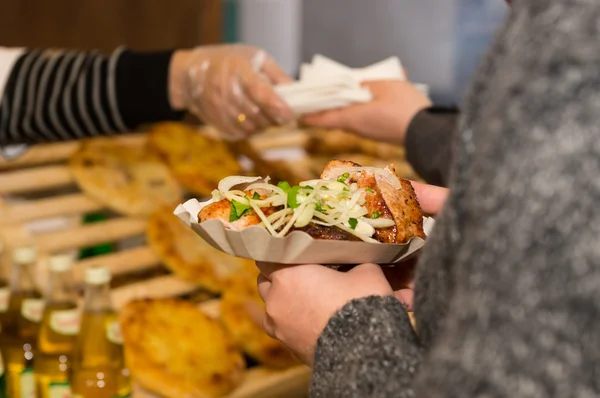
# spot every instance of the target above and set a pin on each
(298, 247)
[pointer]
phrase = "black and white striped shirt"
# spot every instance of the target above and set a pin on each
(55, 95)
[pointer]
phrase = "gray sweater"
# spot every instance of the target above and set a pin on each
(508, 288)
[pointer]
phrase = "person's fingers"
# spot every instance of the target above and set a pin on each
(431, 197)
(255, 120)
(267, 269)
(367, 270)
(326, 120)
(233, 124)
(406, 297)
(268, 326)
(274, 73)
(255, 113)
(271, 105)
(255, 311)
(264, 286)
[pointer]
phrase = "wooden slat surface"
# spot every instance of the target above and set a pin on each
(155, 288)
(37, 179)
(90, 234)
(41, 154)
(65, 205)
(133, 260)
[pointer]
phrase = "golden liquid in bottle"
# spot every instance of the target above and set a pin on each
(56, 341)
(20, 334)
(4, 295)
(98, 362)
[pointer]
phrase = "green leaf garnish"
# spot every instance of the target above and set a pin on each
(256, 196)
(237, 210)
(319, 208)
(376, 214)
(293, 197)
(344, 177)
(353, 222)
(285, 186)
(346, 190)
(370, 190)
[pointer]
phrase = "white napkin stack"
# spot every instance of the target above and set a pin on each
(326, 84)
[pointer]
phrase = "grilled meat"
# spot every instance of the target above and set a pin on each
(326, 233)
(400, 205)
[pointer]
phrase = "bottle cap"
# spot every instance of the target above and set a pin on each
(97, 275)
(24, 255)
(61, 262)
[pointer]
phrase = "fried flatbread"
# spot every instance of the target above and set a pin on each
(175, 350)
(197, 161)
(335, 142)
(241, 311)
(189, 256)
(123, 177)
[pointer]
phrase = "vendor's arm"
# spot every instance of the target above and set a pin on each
(50, 95)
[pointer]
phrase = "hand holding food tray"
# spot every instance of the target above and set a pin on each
(351, 215)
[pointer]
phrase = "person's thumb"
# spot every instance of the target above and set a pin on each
(333, 119)
(406, 297)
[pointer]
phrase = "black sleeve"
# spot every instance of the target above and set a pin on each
(429, 141)
(56, 95)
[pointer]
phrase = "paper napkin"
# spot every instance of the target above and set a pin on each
(326, 84)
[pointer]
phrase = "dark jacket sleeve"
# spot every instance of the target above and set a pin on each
(429, 141)
(55, 95)
(368, 349)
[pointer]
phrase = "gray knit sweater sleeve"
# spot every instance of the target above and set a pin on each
(356, 365)
(507, 296)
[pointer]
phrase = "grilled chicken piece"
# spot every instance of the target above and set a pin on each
(400, 205)
(222, 210)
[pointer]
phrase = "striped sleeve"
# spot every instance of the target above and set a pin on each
(53, 95)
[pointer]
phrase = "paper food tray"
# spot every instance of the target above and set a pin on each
(298, 247)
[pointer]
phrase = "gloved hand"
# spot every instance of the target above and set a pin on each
(229, 87)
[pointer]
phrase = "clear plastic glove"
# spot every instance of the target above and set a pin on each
(230, 87)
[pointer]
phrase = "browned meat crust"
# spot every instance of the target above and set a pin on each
(326, 233)
(222, 209)
(400, 205)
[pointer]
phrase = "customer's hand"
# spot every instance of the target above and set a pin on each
(386, 118)
(301, 299)
(229, 87)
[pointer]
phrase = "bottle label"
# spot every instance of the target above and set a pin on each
(32, 309)
(4, 298)
(27, 384)
(59, 390)
(65, 322)
(113, 332)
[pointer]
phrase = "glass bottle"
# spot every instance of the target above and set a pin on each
(99, 369)
(4, 295)
(25, 310)
(58, 331)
